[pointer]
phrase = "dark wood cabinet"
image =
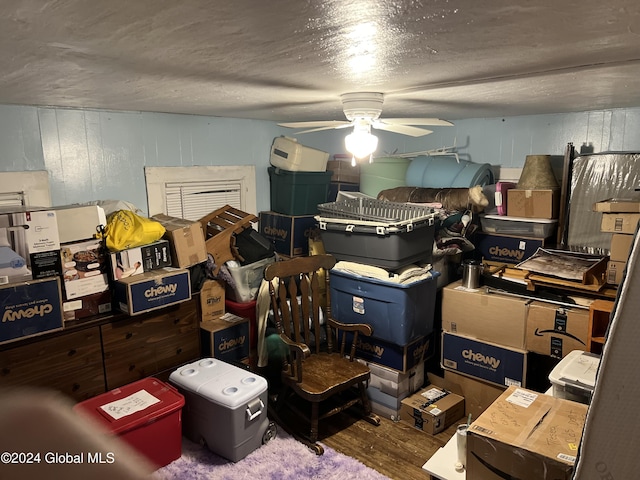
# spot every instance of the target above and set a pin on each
(150, 344)
(91, 357)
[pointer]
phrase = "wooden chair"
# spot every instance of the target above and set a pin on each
(320, 376)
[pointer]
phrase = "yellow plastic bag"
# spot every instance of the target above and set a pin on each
(126, 229)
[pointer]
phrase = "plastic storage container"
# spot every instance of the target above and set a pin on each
(246, 280)
(574, 377)
(527, 227)
(376, 232)
(288, 154)
(146, 414)
(398, 313)
(225, 407)
(298, 193)
(245, 310)
(382, 174)
(444, 172)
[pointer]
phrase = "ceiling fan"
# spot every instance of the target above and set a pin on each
(363, 110)
(367, 107)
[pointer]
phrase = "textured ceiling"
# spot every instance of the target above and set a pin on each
(290, 60)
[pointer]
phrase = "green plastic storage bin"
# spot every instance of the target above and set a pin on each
(298, 193)
(382, 174)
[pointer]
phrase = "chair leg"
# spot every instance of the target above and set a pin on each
(369, 416)
(315, 412)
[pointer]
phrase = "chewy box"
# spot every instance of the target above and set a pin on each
(226, 338)
(298, 193)
(398, 313)
(146, 414)
(30, 308)
(490, 362)
(400, 358)
(152, 290)
(225, 406)
(289, 234)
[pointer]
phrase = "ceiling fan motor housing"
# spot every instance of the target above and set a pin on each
(362, 105)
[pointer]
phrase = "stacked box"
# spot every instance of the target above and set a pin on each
(186, 238)
(226, 338)
(533, 203)
(432, 410)
(288, 233)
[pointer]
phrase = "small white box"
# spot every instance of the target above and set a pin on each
(574, 377)
(79, 222)
(288, 154)
(225, 406)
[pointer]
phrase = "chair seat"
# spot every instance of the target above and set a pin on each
(326, 373)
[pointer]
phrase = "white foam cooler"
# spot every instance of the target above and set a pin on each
(225, 407)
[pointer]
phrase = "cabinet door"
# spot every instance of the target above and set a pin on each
(150, 344)
(70, 362)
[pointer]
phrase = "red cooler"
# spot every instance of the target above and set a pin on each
(146, 414)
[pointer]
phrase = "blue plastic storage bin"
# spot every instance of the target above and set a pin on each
(398, 313)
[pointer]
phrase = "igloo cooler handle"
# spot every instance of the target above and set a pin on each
(254, 408)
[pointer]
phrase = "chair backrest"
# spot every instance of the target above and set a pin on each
(298, 297)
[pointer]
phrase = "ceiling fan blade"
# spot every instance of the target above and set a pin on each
(402, 129)
(322, 123)
(345, 125)
(417, 121)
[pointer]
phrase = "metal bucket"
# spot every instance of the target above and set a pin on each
(471, 270)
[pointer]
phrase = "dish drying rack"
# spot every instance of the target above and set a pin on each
(380, 215)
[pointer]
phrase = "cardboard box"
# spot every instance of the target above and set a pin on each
(506, 248)
(30, 308)
(84, 268)
(289, 234)
(485, 316)
(490, 362)
(615, 272)
(137, 260)
(533, 203)
(478, 394)
(432, 409)
(87, 306)
(212, 301)
(152, 290)
(525, 434)
(343, 171)
(30, 244)
(619, 222)
(620, 246)
(186, 238)
(396, 357)
(618, 205)
(556, 331)
(226, 338)
(79, 222)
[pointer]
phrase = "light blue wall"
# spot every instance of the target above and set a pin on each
(101, 155)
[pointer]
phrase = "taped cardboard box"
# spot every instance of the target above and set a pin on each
(619, 222)
(212, 299)
(533, 203)
(556, 331)
(186, 238)
(432, 409)
(620, 247)
(225, 338)
(618, 205)
(486, 316)
(478, 395)
(525, 434)
(615, 272)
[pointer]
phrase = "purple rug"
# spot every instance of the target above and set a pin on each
(282, 458)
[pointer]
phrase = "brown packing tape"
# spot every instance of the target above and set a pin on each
(529, 204)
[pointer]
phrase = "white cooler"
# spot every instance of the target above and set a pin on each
(574, 377)
(225, 407)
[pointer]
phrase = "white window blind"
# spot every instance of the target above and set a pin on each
(12, 199)
(194, 200)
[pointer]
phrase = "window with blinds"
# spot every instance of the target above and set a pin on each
(194, 200)
(193, 192)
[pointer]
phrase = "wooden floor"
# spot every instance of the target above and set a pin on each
(394, 449)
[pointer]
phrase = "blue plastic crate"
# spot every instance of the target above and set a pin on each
(398, 313)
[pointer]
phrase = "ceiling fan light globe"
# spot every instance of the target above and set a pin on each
(361, 144)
